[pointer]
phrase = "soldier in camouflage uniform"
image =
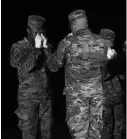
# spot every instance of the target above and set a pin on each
(121, 59)
(34, 95)
(114, 96)
(85, 54)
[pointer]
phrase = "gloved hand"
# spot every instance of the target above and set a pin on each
(111, 53)
(44, 41)
(38, 40)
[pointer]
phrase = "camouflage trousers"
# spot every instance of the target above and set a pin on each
(84, 117)
(114, 110)
(94, 118)
(34, 112)
(114, 118)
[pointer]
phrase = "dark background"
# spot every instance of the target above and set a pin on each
(101, 14)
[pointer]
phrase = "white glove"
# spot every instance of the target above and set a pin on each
(38, 40)
(111, 53)
(44, 41)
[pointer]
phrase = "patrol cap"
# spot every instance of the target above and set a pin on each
(107, 34)
(76, 14)
(35, 22)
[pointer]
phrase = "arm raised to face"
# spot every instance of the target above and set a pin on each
(56, 60)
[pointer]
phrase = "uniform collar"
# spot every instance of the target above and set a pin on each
(28, 42)
(83, 32)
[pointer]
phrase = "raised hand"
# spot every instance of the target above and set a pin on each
(38, 40)
(111, 53)
(44, 41)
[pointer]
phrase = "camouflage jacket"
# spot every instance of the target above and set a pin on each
(30, 63)
(86, 58)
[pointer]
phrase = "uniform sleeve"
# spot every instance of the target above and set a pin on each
(23, 57)
(109, 64)
(56, 60)
(48, 51)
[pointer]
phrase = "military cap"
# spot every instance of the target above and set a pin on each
(107, 34)
(35, 22)
(76, 14)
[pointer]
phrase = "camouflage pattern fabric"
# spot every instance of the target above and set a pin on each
(34, 95)
(114, 112)
(85, 69)
(114, 116)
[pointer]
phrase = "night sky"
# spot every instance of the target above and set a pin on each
(102, 14)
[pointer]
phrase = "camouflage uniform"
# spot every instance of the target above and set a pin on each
(34, 95)
(114, 97)
(85, 55)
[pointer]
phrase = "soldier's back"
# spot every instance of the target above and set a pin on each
(85, 53)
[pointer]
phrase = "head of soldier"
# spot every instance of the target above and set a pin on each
(34, 30)
(78, 20)
(108, 35)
